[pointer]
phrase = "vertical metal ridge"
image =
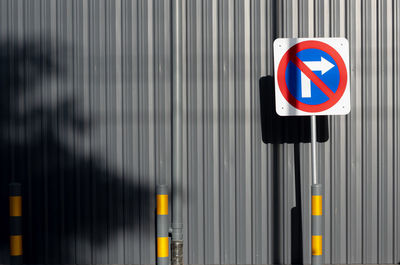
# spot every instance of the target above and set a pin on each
(396, 72)
(196, 131)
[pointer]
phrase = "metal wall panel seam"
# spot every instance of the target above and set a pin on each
(369, 165)
(348, 146)
(152, 134)
(339, 235)
(389, 112)
(70, 212)
(260, 164)
(252, 147)
(208, 161)
(195, 130)
(396, 186)
(380, 125)
(216, 127)
(62, 26)
(385, 235)
(363, 96)
(227, 136)
(242, 153)
(266, 155)
(86, 82)
(4, 27)
(145, 135)
(357, 139)
(186, 139)
(74, 141)
(265, 151)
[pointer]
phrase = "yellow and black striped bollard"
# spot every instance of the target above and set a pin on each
(162, 225)
(15, 224)
(316, 225)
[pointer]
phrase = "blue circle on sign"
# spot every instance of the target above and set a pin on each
(323, 66)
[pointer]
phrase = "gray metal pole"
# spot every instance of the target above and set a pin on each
(316, 203)
(314, 149)
(177, 220)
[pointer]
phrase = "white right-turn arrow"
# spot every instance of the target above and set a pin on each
(323, 66)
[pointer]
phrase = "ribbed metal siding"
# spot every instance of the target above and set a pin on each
(91, 139)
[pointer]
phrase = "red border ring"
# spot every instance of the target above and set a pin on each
(312, 44)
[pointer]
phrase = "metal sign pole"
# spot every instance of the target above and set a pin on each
(316, 202)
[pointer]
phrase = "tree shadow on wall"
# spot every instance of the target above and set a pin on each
(72, 202)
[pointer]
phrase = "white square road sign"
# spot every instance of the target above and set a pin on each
(312, 76)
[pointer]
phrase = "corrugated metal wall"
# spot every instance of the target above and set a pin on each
(85, 126)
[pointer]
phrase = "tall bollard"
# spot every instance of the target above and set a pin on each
(162, 226)
(316, 224)
(15, 224)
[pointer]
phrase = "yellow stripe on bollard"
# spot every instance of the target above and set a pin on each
(162, 204)
(316, 245)
(15, 245)
(162, 247)
(316, 205)
(15, 206)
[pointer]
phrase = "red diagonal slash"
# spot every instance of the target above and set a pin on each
(313, 77)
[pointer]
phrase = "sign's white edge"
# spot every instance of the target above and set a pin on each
(284, 108)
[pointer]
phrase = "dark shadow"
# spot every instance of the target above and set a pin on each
(68, 196)
(276, 257)
(289, 129)
(295, 213)
(278, 130)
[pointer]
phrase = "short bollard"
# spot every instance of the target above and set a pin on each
(15, 224)
(316, 224)
(162, 225)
